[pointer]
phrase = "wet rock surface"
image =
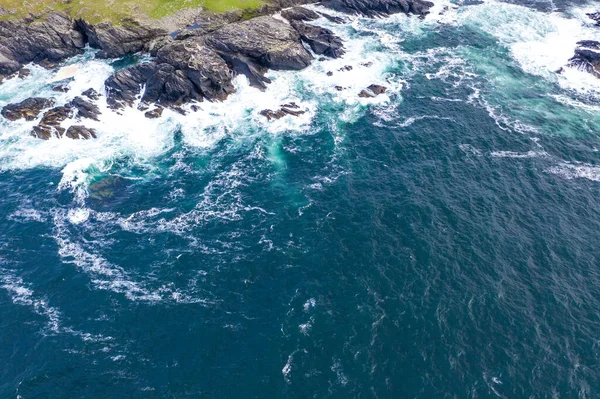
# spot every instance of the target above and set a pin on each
(372, 91)
(587, 57)
(28, 109)
(377, 8)
(45, 42)
(80, 132)
(321, 40)
(286, 109)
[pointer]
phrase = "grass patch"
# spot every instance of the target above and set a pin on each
(115, 10)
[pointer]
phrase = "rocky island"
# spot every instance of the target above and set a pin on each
(194, 53)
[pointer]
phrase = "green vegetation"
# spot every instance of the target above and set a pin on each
(115, 10)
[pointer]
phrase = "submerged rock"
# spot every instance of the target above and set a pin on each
(28, 109)
(595, 16)
(155, 113)
(321, 40)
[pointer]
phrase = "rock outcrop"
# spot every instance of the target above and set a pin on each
(267, 41)
(586, 57)
(372, 91)
(321, 40)
(28, 109)
(45, 42)
(376, 8)
(286, 109)
(116, 41)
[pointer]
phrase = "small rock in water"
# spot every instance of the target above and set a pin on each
(595, 16)
(50, 124)
(339, 88)
(80, 132)
(23, 73)
(61, 88)
(372, 91)
(283, 111)
(91, 94)
(345, 68)
(367, 64)
(329, 73)
(28, 109)
(85, 109)
(155, 113)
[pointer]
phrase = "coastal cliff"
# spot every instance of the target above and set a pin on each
(193, 55)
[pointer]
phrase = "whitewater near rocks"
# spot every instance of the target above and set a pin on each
(433, 237)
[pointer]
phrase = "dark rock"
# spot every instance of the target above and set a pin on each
(299, 14)
(377, 89)
(91, 94)
(50, 124)
(28, 109)
(329, 73)
(331, 18)
(586, 60)
(116, 41)
(321, 40)
(280, 113)
(291, 105)
(85, 109)
(46, 42)
(79, 132)
(339, 88)
(375, 8)
(595, 16)
(372, 91)
(155, 113)
(124, 86)
(345, 68)
(200, 65)
(195, 108)
(367, 64)
(267, 41)
(23, 73)
(591, 44)
(62, 88)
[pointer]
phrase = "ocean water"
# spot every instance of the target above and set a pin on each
(438, 241)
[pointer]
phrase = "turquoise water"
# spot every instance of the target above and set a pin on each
(438, 241)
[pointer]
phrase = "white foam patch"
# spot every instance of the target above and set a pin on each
(571, 171)
(522, 155)
(541, 43)
(21, 294)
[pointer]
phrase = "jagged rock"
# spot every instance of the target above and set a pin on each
(50, 124)
(202, 66)
(375, 8)
(116, 41)
(586, 60)
(61, 88)
(265, 40)
(124, 86)
(85, 109)
(339, 88)
(345, 68)
(377, 89)
(155, 113)
(79, 132)
(367, 64)
(24, 72)
(91, 94)
(372, 91)
(286, 109)
(45, 42)
(592, 44)
(28, 109)
(331, 18)
(299, 14)
(321, 40)
(595, 16)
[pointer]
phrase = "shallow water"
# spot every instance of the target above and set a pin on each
(437, 241)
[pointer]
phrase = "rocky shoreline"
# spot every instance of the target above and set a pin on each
(193, 59)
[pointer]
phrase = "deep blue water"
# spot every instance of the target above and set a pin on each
(442, 243)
